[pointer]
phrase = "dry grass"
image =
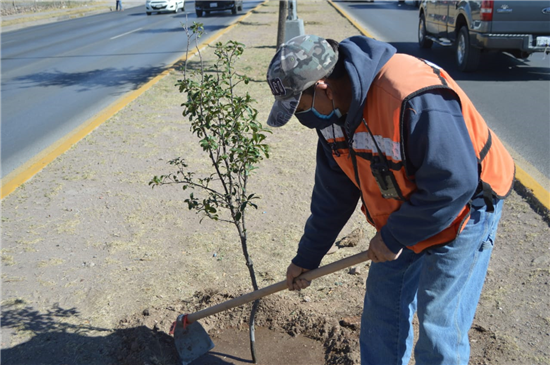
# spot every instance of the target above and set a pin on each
(69, 11)
(51, 262)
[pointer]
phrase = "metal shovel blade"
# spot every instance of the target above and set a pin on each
(191, 342)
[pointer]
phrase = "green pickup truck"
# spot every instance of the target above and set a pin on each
(474, 27)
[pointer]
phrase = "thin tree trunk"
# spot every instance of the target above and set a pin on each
(251, 327)
(250, 265)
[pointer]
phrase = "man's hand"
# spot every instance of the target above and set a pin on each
(379, 252)
(292, 272)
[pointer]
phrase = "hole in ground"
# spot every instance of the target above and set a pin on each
(272, 348)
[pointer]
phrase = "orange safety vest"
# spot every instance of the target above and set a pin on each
(399, 80)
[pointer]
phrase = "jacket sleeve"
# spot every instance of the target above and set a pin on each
(333, 201)
(441, 157)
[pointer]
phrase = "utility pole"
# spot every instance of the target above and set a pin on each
(283, 9)
(292, 15)
(294, 26)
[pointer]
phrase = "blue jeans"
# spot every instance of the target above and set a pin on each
(442, 285)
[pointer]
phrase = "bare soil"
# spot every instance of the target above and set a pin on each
(96, 265)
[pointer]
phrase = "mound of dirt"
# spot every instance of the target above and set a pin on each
(337, 337)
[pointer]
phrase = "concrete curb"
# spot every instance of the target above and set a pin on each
(537, 197)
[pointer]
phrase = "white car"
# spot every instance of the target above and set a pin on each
(158, 6)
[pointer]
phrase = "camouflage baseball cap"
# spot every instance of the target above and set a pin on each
(298, 64)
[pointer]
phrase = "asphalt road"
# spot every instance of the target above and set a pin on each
(512, 95)
(57, 76)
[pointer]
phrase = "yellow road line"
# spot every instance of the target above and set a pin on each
(26, 171)
(351, 20)
(536, 189)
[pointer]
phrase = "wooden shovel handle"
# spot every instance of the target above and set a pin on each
(260, 293)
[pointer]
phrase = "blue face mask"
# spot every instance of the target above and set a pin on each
(311, 118)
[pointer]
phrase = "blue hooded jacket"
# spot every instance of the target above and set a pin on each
(439, 154)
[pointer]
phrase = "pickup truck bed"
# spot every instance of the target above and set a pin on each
(473, 27)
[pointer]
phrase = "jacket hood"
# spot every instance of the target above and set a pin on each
(363, 59)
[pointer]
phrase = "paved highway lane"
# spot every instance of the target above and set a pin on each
(513, 95)
(57, 76)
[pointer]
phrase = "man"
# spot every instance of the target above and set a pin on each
(398, 133)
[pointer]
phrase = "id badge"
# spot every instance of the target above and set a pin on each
(386, 181)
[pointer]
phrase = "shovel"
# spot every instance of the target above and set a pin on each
(190, 337)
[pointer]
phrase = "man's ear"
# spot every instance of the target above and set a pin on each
(323, 85)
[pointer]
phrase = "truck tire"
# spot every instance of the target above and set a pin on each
(467, 56)
(423, 41)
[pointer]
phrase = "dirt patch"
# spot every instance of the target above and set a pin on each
(281, 319)
(96, 265)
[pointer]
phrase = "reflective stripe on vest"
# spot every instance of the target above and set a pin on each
(362, 141)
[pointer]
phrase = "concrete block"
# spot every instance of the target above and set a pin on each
(294, 28)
